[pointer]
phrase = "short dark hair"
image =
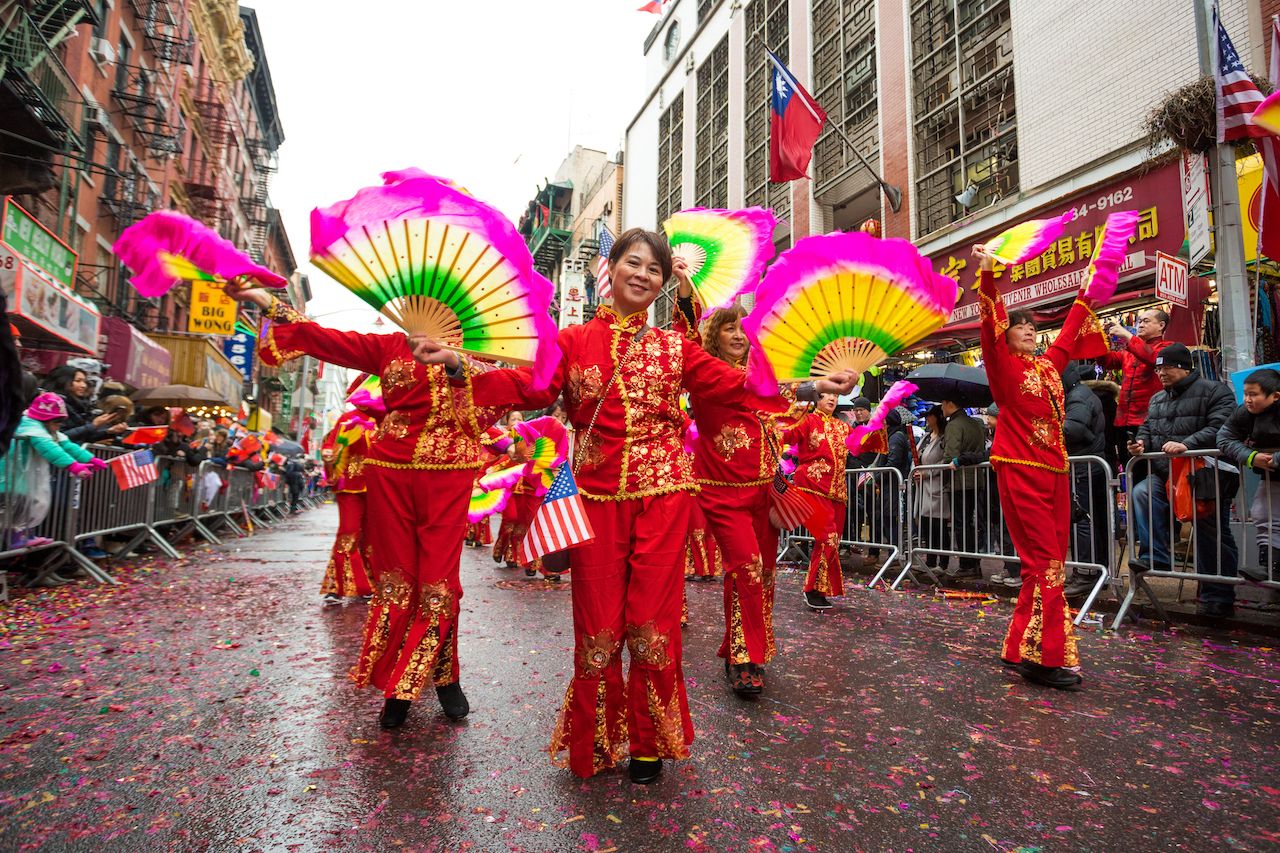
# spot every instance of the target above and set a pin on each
(1267, 379)
(652, 239)
(1018, 316)
(1162, 316)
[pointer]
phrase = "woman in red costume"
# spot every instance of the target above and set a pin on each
(419, 473)
(481, 532)
(622, 383)
(344, 451)
(1032, 473)
(820, 443)
(734, 464)
(520, 508)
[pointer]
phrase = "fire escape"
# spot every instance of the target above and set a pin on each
(255, 203)
(165, 29)
(204, 181)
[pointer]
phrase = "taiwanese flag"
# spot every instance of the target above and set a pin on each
(795, 122)
(142, 436)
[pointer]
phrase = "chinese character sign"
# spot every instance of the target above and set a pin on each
(24, 235)
(239, 351)
(212, 312)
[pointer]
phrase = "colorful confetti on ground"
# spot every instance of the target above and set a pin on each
(205, 705)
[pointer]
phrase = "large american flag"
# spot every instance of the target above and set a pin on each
(561, 521)
(1237, 96)
(604, 287)
(134, 469)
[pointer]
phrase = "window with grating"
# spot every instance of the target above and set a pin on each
(844, 83)
(965, 115)
(711, 145)
(767, 20)
(670, 151)
(704, 9)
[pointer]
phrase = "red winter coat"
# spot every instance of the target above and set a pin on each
(1137, 363)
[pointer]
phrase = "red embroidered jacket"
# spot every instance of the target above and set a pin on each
(1028, 389)
(430, 424)
(820, 441)
(635, 448)
(345, 471)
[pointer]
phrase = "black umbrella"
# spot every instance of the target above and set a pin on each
(288, 448)
(963, 385)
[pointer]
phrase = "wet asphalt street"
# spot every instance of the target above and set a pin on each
(205, 706)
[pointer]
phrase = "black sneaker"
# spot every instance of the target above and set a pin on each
(1216, 609)
(331, 599)
(531, 573)
(963, 572)
(1057, 677)
(1079, 587)
(394, 713)
(644, 771)
(817, 601)
(453, 701)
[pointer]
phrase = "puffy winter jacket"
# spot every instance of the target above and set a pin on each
(1085, 428)
(1245, 433)
(1138, 383)
(1190, 412)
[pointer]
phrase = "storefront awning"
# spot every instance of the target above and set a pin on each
(45, 310)
(133, 358)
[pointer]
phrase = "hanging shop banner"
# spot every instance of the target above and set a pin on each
(47, 305)
(212, 311)
(573, 299)
(239, 351)
(1056, 274)
(132, 357)
(37, 245)
(1171, 279)
(1249, 182)
(1195, 204)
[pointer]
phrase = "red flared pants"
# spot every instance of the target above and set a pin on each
(515, 524)
(347, 574)
(411, 634)
(824, 564)
(739, 518)
(626, 588)
(1037, 510)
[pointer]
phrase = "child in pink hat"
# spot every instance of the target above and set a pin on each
(40, 427)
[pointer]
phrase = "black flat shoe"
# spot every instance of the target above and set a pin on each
(453, 701)
(1008, 664)
(1057, 677)
(394, 713)
(740, 681)
(644, 772)
(817, 601)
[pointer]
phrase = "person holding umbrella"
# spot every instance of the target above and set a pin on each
(1030, 459)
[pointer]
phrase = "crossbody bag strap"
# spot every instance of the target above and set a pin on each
(617, 367)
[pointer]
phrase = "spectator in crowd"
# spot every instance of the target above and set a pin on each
(84, 423)
(1251, 438)
(1186, 415)
(933, 505)
(963, 435)
(995, 533)
(217, 446)
(295, 480)
(1136, 361)
(40, 431)
(13, 378)
(1085, 432)
(882, 493)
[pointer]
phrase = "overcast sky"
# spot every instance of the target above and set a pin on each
(490, 93)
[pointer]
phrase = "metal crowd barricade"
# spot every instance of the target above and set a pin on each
(956, 513)
(106, 509)
(873, 516)
(1221, 534)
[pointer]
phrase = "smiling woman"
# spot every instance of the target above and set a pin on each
(622, 383)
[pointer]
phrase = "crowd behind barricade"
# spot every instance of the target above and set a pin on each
(65, 481)
(1167, 472)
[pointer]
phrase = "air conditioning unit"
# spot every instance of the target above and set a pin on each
(102, 51)
(97, 116)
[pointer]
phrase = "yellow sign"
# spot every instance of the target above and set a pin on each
(1249, 181)
(212, 311)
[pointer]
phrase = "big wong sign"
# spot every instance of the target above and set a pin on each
(1057, 272)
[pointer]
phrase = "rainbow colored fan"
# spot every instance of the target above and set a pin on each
(367, 394)
(440, 263)
(842, 302)
(548, 443)
(726, 250)
(166, 247)
(1025, 240)
(484, 504)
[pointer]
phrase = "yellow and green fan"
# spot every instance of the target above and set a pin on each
(726, 250)
(440, 263)
(842, 301)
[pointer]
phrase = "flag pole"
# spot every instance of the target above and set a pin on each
(892, 193)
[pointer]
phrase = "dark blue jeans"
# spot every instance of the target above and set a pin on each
(1153, 536)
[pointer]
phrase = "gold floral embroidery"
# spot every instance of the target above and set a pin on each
(668, 724)
(754, 570)
(398, 374)
(394, 425)
(585, 383)
(648, 645)
(1044, 432)
(589, 449)
(650, 379)
(1056, 574)
(1033, 384)
(595, 652)
(730, 440)
(345, 543)
(436, 599)
(282, 312)
(818, 469)
(1090, 326)
(815, 439)
(393, 589)
(355, 466)
(738, 652)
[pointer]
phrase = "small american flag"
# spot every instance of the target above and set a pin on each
(604, 287)
(793, 508)
(134, 469)
(1238, 97)
(561, 521)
